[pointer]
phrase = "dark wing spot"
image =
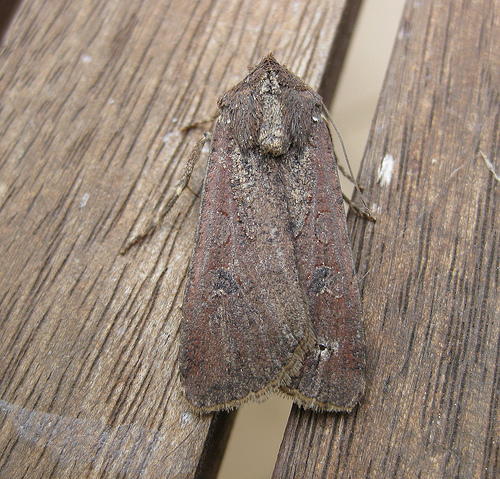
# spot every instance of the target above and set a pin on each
(224, 282)
(323, 279)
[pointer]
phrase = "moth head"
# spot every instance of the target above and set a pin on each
(272, 111)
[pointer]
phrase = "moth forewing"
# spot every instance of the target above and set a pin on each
(332, 376)
(246, 324)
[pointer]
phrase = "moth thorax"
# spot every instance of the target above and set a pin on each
(272, 136)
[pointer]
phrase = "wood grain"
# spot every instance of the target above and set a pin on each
(93, 98)
(429, 268)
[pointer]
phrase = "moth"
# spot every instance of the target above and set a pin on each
(271, 301)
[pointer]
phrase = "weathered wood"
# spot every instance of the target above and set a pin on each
(429, 267)
(93, 97)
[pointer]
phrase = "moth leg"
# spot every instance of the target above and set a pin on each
(364, 214)
(164, 210)
(348, 177)
(202, 122)
(358, 211)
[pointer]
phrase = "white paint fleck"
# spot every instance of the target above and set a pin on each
(186, 417)
(376, 209)
(385, 170)
(86, 58)
(84, 200)
(434, 161)
(167, 137)
(3, 191)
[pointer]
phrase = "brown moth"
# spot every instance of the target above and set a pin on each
(271, 301)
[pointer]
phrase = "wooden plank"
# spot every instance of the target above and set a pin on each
(429, 268)
(93, 98)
